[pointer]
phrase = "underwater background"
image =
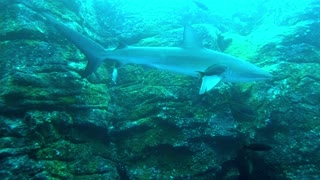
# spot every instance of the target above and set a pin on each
(153, 124)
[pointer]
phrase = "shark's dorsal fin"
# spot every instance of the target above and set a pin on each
(190, 38)
(121, 45)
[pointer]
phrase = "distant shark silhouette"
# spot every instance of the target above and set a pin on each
(189, 59)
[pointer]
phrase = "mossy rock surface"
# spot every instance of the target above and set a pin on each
(153, 124)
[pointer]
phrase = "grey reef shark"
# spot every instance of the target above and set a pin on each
(190, 59)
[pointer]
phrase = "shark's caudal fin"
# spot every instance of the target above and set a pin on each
(92, 50)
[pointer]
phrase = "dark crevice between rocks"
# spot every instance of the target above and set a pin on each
(117, 134)
(82, 167)
(169, 152)
(242, 112)
(23, 34)
(75, 133)
(127, 131)
(168, 126)
(169, 149)
(91, 132)
(220, 144)
(277, 126)
(6, 152)
(20, 109)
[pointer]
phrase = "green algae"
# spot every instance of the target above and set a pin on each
(151, 135)
(57, 169)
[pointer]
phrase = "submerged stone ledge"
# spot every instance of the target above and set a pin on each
(153, 124)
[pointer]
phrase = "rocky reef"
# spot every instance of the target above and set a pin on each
(153, 124)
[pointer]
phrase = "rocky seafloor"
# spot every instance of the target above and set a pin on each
(153, 124)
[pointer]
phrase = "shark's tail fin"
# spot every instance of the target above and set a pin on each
(93, 51)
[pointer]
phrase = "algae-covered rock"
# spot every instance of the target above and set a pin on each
(35, 71)
(153, 124)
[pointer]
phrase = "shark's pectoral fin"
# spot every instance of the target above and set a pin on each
(208, 82)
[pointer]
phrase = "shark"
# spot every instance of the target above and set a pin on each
(190, 59)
